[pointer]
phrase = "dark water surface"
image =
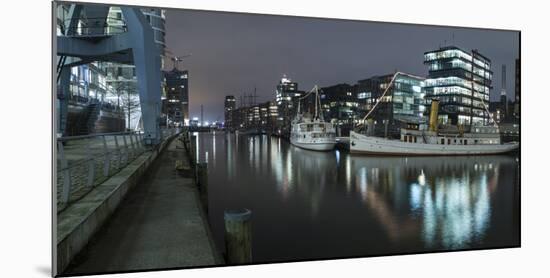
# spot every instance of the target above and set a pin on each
(311, 205)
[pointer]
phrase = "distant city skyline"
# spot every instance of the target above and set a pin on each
(236, 53)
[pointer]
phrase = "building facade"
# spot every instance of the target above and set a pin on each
(403, 103)
(461, 81)
(268, 117)
(230, 104)
(340, 107)
(176, 103)
(287, 96)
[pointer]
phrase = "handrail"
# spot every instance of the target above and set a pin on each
(78, 137)
(78, 175)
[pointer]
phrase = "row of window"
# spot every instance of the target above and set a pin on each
(443, 141)
(455, 53)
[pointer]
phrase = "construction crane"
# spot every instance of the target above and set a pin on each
(177, 59)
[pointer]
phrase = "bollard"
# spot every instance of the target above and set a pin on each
(238, 236)
(202, 180)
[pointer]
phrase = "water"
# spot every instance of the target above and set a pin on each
(314, 205)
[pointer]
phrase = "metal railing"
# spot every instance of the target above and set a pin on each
(84, 162)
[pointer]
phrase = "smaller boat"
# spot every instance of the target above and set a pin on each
(312, 132)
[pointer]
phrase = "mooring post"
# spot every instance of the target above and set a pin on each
(202, 173)
(238, 236)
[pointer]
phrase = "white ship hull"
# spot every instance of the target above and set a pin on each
(360, 143)
(314, 145)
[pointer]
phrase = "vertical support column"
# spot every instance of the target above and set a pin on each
(146, 58)
(66, 174)
(107, 160)
(238, 236)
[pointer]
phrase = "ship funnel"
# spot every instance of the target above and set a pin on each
(433, 114)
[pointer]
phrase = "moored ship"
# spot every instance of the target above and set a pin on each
(421, 140)
(312, 132)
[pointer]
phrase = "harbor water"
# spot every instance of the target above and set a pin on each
(315, 205)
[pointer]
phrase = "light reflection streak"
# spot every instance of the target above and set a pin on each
(442, 202)
(451, 201)
(214, 147)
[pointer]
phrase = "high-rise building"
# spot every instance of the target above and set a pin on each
(229, 109)
(287, 95)
(176, 103)
(461, 81)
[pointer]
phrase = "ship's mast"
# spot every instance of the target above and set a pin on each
(316, 97)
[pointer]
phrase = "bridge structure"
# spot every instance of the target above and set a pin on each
(86, 36)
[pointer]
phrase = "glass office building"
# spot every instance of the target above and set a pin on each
(286, 97)
(461, 81)
(176, 103)
(339, 106)
(403, 102)
(230, 104)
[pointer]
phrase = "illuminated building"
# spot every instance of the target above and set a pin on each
(287, 95)
(339, 105)
(176, 103)
(229, 109)
(461, 82)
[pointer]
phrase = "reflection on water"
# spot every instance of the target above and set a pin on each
(310, 204)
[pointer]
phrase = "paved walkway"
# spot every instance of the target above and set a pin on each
(159, 225)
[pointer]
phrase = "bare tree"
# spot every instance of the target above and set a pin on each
(128, 99)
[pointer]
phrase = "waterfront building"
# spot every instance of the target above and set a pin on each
(253, 117)
(497, 111)
(287, 96)
(461, 81)
(268, 117)
(339, 105)
(230, 105)
(404, 103)
(91, 106)
(176, 103)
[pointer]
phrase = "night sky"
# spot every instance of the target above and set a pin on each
(233, 53)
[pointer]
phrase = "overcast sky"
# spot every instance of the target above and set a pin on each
(233, 53)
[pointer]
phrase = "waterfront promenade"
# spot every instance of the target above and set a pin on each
(159, 224)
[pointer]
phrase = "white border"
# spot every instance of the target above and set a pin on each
(26, 127)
